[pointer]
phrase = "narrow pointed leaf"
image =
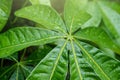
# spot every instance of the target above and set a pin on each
(52, 67)
(95, 19)
(43, 15)
(77, 69)
(87, 72)
(106, 67)
(5, 8)
(74, 16)
(99, 37)
(18, 38)
(112, 20)
(113, 5)
(17, 74)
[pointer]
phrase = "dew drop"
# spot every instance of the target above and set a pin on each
(79, 24)
(12, 43)
(2, 13)
(22, 40)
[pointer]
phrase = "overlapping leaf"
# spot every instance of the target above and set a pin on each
(44, 15)
(52, 67)
(80, 61)
(93, 10)
(112, 20)
(80, 69)
(113, 5)
(19, 38)
(100, 62)
(17, 71)
(5, 8)
(99, 37)
(74, 16)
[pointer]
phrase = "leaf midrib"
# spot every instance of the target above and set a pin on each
(27, 43)
(76, 62)
(56, 62)
(101, 71)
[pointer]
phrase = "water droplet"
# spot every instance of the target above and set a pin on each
(79, 24)
(57, 27)
(2, 13)
(22, 40)
(12, 43)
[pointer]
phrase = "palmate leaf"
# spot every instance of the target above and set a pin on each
(17, 71)
(106, 68)
(86, 63)
(74, 16)
(53, 66)
(99, 37)
(112, 20)
(44, 15)
(19, 38)
(5, 8)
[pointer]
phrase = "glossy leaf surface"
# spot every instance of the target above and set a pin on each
(19, 38)
(52, 67)
(99, 37)
(5, 8)
(100, 62)
(111, 19)
(78, 53)
(74, 16)
(44, 15)
(93, 10)
(79, 67)
(113, 5)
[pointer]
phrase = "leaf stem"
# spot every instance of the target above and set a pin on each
(14, 59)
(23, 55)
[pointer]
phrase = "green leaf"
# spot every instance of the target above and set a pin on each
(45, 2)
(113, 5)
(6, 72)
(5, 8)
(93, 10)
(17, 75)
(74, 16)
(19, 38)
(52, 67)
(39, 53)
(112, 20)
(44, 15)
(99, 37)
(86, 71)
(16, 71)
(106, 67)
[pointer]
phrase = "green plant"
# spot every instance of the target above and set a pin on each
(85, 40)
